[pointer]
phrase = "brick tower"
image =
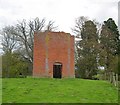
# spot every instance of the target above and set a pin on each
(53, 55)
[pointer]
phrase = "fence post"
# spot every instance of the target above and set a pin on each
(117, 80)
(114, 82)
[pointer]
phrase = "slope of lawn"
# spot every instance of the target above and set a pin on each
(44, 90)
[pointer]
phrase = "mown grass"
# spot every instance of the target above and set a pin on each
(44, 90)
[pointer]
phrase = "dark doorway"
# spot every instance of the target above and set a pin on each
(57, 70)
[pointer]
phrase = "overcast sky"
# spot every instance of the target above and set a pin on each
(63, 12)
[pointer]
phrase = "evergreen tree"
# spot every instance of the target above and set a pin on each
(110, 23)
(87, 50)
(109, 51)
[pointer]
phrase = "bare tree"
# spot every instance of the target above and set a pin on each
(25, 33)
(22, 35)
(79, 22)
(9, 42)
(51, 26)
(20, 38)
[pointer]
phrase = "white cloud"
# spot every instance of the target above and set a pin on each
(63, 12)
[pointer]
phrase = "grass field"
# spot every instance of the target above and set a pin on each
(37, 90)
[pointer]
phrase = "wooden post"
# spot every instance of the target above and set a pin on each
(111, 77)
(117, 80)
(114, 82)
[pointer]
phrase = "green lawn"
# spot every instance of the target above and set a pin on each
(41, 90)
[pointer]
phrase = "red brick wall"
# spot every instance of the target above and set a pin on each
(51, 47)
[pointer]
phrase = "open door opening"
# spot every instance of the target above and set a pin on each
(57, 70)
